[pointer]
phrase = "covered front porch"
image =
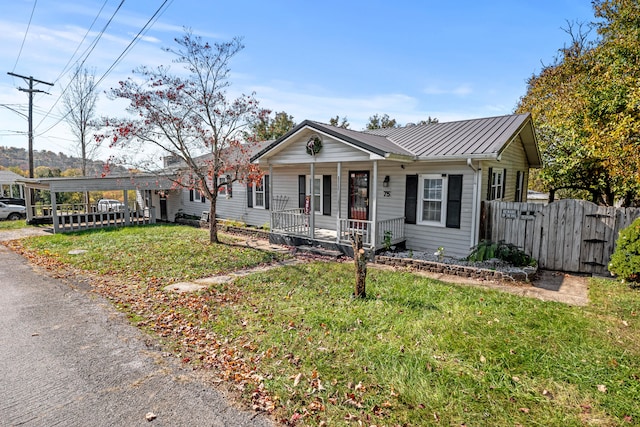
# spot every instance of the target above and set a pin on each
(333, 206)
(78, 216)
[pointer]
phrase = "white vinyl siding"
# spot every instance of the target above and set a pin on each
(294, 152)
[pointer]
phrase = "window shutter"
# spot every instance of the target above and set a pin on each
(504, 183)
(229, 187)
(411, 199)
(191, 195)
(249, 195)
(454, 201)
(518, 195)
(326, 194)
(489, 183)
(266, 191)
(302, 183)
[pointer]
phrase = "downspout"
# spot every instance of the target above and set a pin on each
(475, 204)
(339, 210)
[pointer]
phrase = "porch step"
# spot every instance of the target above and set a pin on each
(316, 250)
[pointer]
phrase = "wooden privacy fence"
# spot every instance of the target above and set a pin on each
(567, 235)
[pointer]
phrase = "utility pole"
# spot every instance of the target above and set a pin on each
(30, 91)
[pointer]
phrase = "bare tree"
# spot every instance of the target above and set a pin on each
(190, 119)
(79, 108)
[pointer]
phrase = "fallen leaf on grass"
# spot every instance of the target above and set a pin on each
(297, 378)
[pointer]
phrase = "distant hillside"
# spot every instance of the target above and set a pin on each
(12, 156)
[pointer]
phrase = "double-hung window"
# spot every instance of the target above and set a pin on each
(259, 194)
(432, 199)
(314, 189)
(496, 184)
(222, 185)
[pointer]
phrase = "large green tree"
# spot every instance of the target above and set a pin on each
(381, 122)
(265, 128)
(586, 106)
(340, 122)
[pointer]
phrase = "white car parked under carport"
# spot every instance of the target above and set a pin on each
(12, 212)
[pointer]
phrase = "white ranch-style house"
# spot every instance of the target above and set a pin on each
(418, 185)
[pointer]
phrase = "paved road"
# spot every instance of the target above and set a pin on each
(67, 358)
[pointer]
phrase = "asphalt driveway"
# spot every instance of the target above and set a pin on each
(68, 358)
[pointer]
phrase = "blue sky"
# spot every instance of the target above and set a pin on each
(314, 60)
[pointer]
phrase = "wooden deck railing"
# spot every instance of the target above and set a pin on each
(78, 216)
(290, 221)
(296, 222)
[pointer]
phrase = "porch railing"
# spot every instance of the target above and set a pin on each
(296, 222)
(293, 221)
(79, 216)
(349, 227)
(391, 230)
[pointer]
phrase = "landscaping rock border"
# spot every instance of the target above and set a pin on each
(525, 274)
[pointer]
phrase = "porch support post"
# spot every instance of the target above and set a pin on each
(270, 197)
(374, 202)
(339, 204)
(29, 205)
(127, 222)
(312, 214)
(54, 212)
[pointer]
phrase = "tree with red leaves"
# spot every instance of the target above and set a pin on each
(190, 120)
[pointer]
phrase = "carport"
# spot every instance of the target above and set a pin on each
(78, 216)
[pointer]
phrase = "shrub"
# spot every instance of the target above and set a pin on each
(625, 261)
(506, 252)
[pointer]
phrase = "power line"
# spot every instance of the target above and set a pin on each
(30, 91)
(137, 37)
(92, 46)
(133, 42)
(66, 68)
(25, 35)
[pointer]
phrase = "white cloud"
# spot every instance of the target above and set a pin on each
(461, 90)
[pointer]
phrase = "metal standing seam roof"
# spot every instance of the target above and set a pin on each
(474, 137)
(484, 136)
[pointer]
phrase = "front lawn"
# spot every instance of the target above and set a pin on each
(12, 225)
(415, 352)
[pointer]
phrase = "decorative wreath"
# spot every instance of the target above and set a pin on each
(314, 145)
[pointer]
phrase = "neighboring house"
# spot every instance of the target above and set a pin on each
(421, 185)
(8, 185)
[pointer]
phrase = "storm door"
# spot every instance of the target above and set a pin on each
(359, 195)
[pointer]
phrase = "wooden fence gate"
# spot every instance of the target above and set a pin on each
(567, 235)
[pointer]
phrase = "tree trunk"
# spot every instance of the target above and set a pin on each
(213, 223)
(360, 260)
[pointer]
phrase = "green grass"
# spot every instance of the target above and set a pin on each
(415, 352)
(12, 225)
(425, 350)
(162, 253)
